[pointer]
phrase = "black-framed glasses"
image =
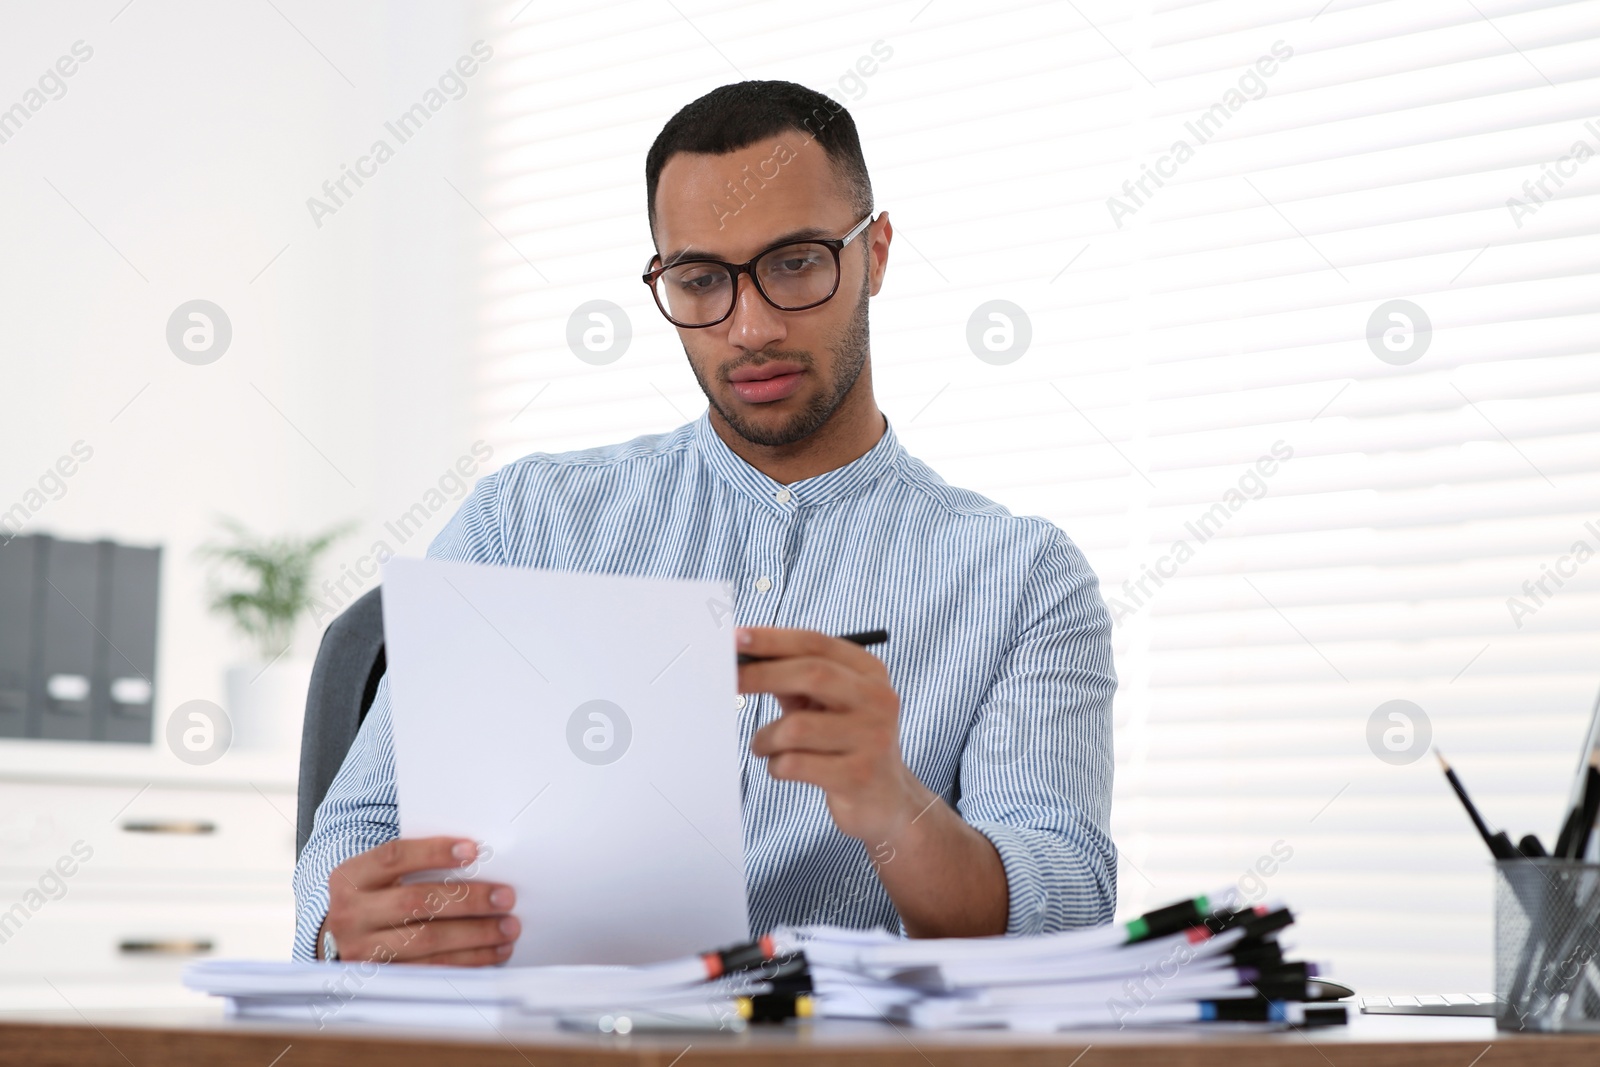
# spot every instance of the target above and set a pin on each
(792, 276)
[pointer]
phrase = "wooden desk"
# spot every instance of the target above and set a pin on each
(180, 1038)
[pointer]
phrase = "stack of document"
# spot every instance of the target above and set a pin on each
(713, 991)
(1194, 961)
(1205, 960)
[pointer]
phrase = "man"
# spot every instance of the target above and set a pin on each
(955, 783)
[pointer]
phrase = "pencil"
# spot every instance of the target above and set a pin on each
(1499, 844)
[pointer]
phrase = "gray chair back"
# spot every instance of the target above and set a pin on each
(344, 679)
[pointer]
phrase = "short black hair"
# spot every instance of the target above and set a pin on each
(736, 116)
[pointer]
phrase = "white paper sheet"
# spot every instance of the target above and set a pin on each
(583, 727)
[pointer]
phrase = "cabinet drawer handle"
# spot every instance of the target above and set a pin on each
(169, 826)
(175, 947)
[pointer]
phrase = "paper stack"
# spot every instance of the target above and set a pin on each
(717, 990)
(1205, 960)
(1192, 962)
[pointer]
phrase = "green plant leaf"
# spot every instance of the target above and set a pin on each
(264, 584)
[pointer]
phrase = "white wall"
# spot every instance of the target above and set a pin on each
(189, 142)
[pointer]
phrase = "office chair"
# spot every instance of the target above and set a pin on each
(344, 679)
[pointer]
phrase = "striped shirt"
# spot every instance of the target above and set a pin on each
(1000, 651)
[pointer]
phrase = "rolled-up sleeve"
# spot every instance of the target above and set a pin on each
(1037, 769)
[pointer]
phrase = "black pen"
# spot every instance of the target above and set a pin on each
(1498, 842)
(865, 639)
(1569, 826)
(1590, 807)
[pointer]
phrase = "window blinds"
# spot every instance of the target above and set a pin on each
(1310, 291)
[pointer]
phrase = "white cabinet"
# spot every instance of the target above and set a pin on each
(117, 868)
(139, 936)
(192, 835)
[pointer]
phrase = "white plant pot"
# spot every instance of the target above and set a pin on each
(267, 705)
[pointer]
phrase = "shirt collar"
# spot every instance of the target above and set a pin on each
(815, 491)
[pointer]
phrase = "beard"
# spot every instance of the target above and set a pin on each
(849, 350)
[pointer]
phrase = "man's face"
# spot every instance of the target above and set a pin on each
(774, 376)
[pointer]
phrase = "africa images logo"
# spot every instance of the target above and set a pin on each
(598, 732)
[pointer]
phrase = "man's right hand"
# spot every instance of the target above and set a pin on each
(458, 922)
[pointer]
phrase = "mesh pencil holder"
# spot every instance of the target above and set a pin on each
(1547, 945)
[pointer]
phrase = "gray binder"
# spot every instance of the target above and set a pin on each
(64, 686)
(78, 639)
(130, 587)
(17, 594)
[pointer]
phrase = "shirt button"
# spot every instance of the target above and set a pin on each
(783, 496)
(763, 584)
(739, 702)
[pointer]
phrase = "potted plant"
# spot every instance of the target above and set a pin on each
(263, 586)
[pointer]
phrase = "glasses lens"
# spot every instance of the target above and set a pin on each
(694, 294)
(798, 275)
